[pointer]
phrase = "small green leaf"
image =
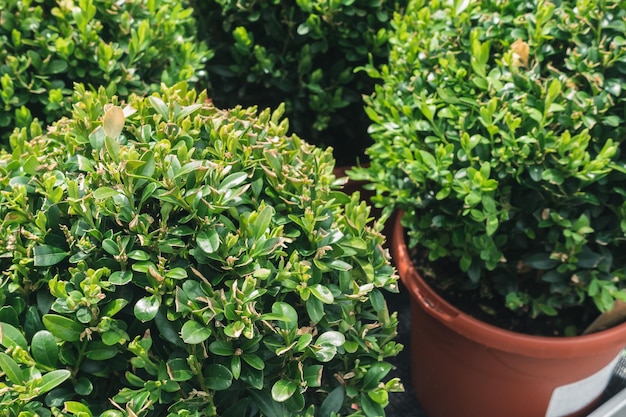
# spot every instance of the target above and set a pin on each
(375, 374)
(179, 370)
(48, 255)
(541, 261)
(193, 332)
(147, 307)
(263, 221)
(208, 241)
(11, 369)
(232, 180)
(79, 409)
(254, 361)
(98, 351)
(11, 337)
(340, 265)
(113, 307)
(52, 380)
(83, 386)
(62, 327)
(218, 377)
(313, 375)
(159, 106)
(121, 277)
(222, 348)
(322, 293)
(331, 337)
(283, 389)
(44, 348)
(284, 313)
(333, 402)
(104, 193)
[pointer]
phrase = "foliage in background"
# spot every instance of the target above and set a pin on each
(499, 129)
(303, 53)
(130, 46)
(183, 260)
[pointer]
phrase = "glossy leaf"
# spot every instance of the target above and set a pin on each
(147, 308)
(48, 255)
(62, 327)
(44, 348)
(208, 241)
(218, 377)
(193, 332)
(11, 369)
(283, 389)
(11, 337)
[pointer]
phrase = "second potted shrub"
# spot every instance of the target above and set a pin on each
(498, 130)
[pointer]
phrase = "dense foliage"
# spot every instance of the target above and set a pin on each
(130, 46)
(165, 257)
(303, 53)
(499, 129)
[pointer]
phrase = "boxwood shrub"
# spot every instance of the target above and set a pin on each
(499, 128)
(163, 257)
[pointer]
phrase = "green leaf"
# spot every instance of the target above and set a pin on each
(254, 361)
(179, 370)
(11, 369)
(147, 308)
(44, 348)
(83, 386)
(48, 255)
(322, 293)
(113, 307)
(52, 380)
(313, 375)
(283, 389)
(218, 377)
(208, 241)
(263, 221)
(79, 409)
(222, 348)
(284, 313)
(267, 405)
(193, 332)
(541, 261)
(340, 265)
(98, 351)
(331, 337)
(159, 106)
(121, 277)
(315, 309)
(333, 402)
(62, 327)
(104, 193)
(11, 337)
(232, 180)
(375, 374)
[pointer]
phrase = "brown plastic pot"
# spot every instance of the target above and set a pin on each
(462, 367)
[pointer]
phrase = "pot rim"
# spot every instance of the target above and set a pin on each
(489, 335)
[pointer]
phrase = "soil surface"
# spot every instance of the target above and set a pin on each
(492, 309)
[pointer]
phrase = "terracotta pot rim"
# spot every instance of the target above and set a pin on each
(487, 334)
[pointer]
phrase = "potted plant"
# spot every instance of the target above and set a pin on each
(164, 257)
(498, 130)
